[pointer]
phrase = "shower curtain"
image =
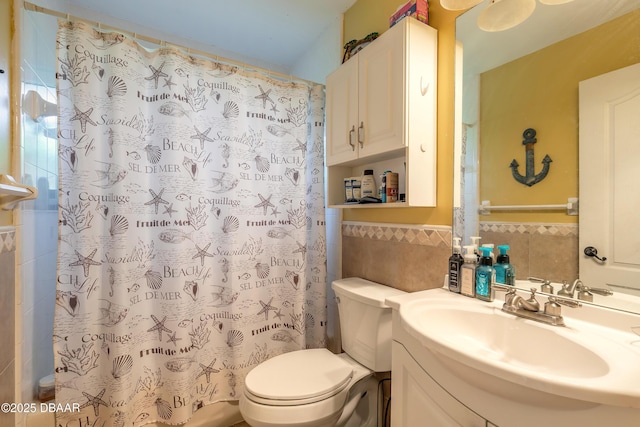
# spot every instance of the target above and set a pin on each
(192, 243)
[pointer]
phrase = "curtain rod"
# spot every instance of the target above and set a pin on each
(163, 43)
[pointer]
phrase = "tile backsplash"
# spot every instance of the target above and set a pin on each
(548, 251)
(415, 257)
(404, 256)
(7, 320)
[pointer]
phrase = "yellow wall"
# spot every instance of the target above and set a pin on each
(367, 16)
(540, 91)
(5, 131)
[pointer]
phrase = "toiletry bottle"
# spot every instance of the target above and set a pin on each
(492, 247)
(391, 179)
(368, 184)
(505, 272)
(348, 190)
(475, 241)
(355, 183)
(383, 189)
(485, 276)
(468, 273)
(455, 263)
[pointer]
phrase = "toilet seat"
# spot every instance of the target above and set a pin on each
(309, 376)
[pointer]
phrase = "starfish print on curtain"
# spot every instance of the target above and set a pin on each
(192, 242)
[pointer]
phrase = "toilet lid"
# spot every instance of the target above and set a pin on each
(308, 375)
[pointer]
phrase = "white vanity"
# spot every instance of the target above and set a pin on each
(462, 361)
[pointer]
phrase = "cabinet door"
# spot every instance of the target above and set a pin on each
(381, 86)
(342, 113)
(417, 400)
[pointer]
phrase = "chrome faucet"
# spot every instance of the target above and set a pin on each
(568, 290)
(530, 308)
(531, 304)
(585, 293)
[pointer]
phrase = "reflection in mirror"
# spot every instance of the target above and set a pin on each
(530, 77)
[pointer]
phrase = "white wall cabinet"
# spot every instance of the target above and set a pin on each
(381, 114)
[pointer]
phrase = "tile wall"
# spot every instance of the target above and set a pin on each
(37, 222)
(414, 258)
(7, 320)
(407, 257)
(540, 250)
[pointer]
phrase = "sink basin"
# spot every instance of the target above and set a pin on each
(490, 335)
(480, 343)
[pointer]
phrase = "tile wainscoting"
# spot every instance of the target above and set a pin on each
(7, 320)
(404, 256)
(548, 251)
(415, 257)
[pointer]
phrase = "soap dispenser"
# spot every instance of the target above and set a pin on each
(485, 276)
(468, 272)
(475, 241)
(455, 263)
(505, 272)
(493, 253)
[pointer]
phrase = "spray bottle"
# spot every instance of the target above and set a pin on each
(485, 276)
(505, 272)
(455, 263)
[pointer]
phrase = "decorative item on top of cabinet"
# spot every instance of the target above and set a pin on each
(354, 46)
(381, 115)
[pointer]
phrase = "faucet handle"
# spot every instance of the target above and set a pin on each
(539, 280)
(584, 294)
(567, 290)
(552, 306)
(601, 291)
(566, 301)
(509, 289)
(545, 286)
(533, 301)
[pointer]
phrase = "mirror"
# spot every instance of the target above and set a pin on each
(528, 77)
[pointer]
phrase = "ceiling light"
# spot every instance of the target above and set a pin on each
(462, 4)
(504, 14)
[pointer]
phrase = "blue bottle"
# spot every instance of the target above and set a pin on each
(485, 276)
(505, 272)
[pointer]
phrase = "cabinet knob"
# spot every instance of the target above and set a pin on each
(361, 134)
(352, 132)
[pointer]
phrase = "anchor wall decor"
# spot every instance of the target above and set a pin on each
(530, 178)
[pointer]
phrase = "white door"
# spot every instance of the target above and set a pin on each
(610, 178)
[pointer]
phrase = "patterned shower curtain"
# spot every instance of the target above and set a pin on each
(192, 243)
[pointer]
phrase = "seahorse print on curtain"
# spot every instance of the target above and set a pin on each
(192, 243)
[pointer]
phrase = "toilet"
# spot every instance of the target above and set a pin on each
(317, 388)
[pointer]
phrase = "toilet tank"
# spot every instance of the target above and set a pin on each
(365, 321)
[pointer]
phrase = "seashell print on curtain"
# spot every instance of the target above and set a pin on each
(192, 241)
